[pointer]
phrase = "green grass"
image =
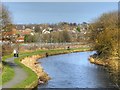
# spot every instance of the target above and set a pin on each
(32, 80)
(7, 71)
(5, 57)
(7, 74)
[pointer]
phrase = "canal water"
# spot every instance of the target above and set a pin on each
(73, 70)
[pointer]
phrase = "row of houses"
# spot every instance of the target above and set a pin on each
(47, 28)
(18, 33)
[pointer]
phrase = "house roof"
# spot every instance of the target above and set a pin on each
(14, 31)
(20, 38)
(7, 33)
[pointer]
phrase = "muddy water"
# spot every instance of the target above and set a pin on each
(74, 71)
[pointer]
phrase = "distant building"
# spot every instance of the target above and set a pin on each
(20, 39)
(27, 31)
(9, 36)
(45, 31)
(84, 26)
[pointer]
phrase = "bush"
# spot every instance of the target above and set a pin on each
(7, 49)
(105, 34)
(29, 38)
(106, 43)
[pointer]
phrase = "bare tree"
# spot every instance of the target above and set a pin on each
(6, 26)
(5, 19)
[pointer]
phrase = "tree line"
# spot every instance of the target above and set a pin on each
(53, 37)
(106, 35)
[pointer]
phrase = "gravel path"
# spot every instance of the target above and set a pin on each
(20, 74)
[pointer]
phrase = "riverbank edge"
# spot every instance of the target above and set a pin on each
(97, 61)
(30, 85)
(106, 64)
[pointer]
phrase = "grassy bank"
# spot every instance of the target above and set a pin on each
(6, 57)
(7, 71)
(32, 79)
(7, 74)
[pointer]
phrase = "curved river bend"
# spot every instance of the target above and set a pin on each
(74, 71)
